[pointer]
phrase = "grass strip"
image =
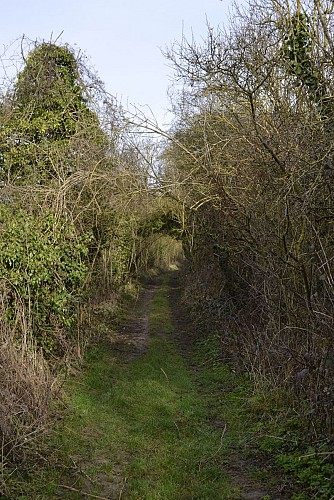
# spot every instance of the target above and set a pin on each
(136, 429)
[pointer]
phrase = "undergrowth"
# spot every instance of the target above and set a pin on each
(264, 429)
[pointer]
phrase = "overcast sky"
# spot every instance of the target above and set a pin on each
(122, 38)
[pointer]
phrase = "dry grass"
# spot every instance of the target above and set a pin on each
(27, 389)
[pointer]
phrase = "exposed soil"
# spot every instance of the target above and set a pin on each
(131, 337)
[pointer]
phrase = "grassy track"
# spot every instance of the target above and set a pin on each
(136, 429)
(143, 423)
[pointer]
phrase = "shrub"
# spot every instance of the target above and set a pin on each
(43, 262)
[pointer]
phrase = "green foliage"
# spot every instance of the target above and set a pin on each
(48, 83)
(44, 263)
(312, 470)
(132, 244)
(114, 240)
(298, 52)
(161, 222)
(45, 110)
(297, 49)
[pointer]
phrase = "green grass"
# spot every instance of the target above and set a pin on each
(142, 427)
(140, 424)
(265, 428)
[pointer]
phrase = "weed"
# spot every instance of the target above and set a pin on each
(312, 470)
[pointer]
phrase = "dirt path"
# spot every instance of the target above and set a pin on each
(103, 473)
(131, 339)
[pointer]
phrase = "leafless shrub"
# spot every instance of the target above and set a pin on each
(255, 177)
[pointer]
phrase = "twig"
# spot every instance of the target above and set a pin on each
(317, 453)
(121, 492)
(213, 360)
(82, 492)
(216, 452)
(78, 468)
(163, 371)
(178, 428)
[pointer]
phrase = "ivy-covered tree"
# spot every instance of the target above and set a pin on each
(45, 110)
(309, 70)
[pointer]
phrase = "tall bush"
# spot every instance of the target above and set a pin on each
(43, 261)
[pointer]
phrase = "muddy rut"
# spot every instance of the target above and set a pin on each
(131, 339)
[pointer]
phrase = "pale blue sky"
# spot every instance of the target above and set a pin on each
(122, 38)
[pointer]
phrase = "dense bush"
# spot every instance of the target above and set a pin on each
(77, 224)
(44, 264)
